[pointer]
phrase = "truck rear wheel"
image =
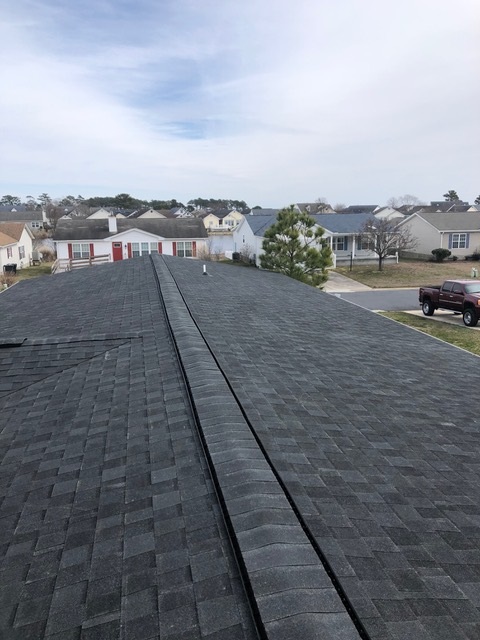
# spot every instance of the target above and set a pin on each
(428, 308)
(470, 318)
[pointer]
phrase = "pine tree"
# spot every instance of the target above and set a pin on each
(295, 246)
(451, 196)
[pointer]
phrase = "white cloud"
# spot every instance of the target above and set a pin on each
(357, 101)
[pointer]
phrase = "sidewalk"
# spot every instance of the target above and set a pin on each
(337, 283)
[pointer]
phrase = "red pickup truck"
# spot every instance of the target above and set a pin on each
(459, 296)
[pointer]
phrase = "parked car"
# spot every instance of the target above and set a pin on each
(459, 296)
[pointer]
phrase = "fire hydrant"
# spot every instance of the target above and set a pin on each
(474, 272)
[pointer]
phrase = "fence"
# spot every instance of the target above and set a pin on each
(70, 264)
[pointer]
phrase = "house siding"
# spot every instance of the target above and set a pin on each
(104, 247)
(429, 238)
(26, 242)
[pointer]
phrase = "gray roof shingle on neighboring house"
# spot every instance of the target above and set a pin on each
(336, 223)
(150, 464)
(452, 221)
(263, 212)
(23, 215)
(93, 229)
(360, 208)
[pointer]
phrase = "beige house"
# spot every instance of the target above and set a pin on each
(458, 232)
(16, 244)
(102, 213)
(148, 212)
(222, 220)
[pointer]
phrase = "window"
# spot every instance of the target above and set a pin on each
(35, 224)
(80, 250)
(143, 248)
(457, 288)
(459, 240)
(184, 249)
(363, 244)
(339, 243)
(447, 286)
(9, 252)
(135, 249)
(21, 252)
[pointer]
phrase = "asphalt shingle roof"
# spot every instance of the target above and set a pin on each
(319, 453)
(12, 229)
(333, 222)
(93, 229)
(452, 221)
(23, 215)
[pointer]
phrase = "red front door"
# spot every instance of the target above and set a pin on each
(117, 251)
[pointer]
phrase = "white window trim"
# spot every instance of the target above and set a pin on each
(183, 249)
(79, 252)
(459, 240)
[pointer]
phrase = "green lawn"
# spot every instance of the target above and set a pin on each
(409, 273)
(43, 269)
(463, 337)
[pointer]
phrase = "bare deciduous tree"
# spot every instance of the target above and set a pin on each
(385, 237)
(53, 213)
(246, 254)
(405, 200)
(322, 205)
(210, 251)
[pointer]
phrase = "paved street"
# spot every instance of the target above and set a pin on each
(383, 299)
(373, 299)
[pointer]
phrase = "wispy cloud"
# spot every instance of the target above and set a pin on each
(269, 102)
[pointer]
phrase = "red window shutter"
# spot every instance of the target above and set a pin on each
(194, 249)
(129, 249)
(159, 247)
(70, 251)
(92, 250)
(174, 245)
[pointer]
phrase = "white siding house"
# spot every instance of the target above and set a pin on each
(120, 239)
(16, 244)
(342, 231)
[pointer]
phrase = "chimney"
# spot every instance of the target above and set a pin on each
(112, 224)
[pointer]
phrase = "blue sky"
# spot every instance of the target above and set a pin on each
(268, 101)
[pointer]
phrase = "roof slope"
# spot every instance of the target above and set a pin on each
(109, 507)
(452, 221)
(5, 240)
(24, 215)
(97, 229)
(333, 222)
(12, 229)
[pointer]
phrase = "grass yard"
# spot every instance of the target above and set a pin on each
(463, 337)
(409, 273)
(43, 269)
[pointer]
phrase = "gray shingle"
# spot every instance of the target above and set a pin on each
(107, 502)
